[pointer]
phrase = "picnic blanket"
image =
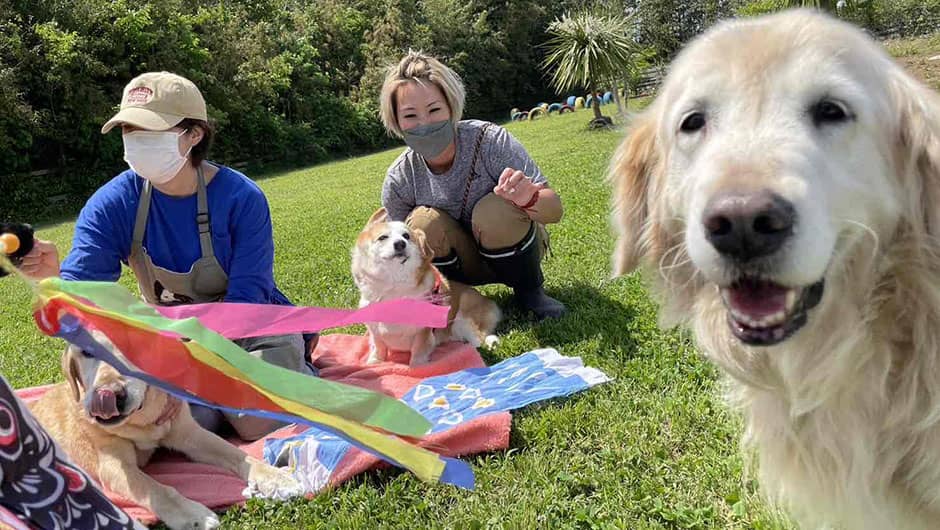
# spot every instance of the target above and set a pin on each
(467, 402)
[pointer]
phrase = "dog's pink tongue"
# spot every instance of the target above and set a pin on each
(104, 404)
(757, 299)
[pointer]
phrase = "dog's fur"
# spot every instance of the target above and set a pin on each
(844, 415)
(113, 449)
(382, 272)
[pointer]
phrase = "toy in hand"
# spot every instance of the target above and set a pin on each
(16, 240)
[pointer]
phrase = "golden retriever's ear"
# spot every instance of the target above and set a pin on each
(380, 216)
(421, 239)
(70, 370)
(631, 170)
(919, 150)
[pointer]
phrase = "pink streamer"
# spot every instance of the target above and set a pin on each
(237, 320)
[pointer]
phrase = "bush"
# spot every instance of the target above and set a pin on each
(885, 18)
(761, 7)
(896, 18)
(285, 81)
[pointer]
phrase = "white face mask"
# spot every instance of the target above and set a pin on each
(154, 155)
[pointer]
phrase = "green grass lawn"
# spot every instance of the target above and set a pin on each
(919, 56)
(655, 448)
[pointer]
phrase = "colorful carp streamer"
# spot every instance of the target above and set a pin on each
(187, 359)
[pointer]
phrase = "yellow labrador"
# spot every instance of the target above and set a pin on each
(783, 191)
(110, 425)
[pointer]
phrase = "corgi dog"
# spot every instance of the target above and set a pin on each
(391, 260)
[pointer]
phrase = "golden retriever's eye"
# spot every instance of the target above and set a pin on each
(382, 237)
(406, 235)
(692, 122)
(828, 111)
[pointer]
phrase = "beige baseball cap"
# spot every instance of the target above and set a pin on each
(157, 101)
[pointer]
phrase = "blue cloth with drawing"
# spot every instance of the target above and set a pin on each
(446, 401)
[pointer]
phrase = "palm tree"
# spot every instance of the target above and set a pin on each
(587, 49)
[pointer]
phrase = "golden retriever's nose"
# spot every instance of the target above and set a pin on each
(743, 226)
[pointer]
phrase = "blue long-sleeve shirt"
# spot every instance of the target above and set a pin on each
(242, 235)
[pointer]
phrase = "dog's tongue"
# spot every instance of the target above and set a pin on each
(757, 298)
(104, 404)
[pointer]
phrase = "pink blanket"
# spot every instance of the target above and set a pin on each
(340, 358)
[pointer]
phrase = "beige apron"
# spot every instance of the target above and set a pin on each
(205, 282)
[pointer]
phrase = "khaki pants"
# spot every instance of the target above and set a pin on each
(496, 224)
(286, 351)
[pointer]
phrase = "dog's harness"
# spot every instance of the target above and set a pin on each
(436, 297)
(443, 297)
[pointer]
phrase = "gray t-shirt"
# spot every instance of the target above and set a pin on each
(409, 182)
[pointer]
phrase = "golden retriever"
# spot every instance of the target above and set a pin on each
(783, 192)
(391, 260)
(110, 426)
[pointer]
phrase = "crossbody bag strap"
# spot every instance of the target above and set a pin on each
(473, 169)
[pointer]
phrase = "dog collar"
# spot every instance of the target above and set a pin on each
(170, 411)
(436, 297)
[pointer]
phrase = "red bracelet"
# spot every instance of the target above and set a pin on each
(531, 203)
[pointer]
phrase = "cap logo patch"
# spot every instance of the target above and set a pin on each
(139, 96)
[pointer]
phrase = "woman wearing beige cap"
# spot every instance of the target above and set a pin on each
(192, 231)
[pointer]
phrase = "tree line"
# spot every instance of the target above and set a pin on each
(287, 82)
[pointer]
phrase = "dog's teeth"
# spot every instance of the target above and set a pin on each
(725, 296)
(774, 319)
(768, 321)
(791, 300)
(745, 319)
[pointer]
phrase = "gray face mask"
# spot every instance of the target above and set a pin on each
(430, 140)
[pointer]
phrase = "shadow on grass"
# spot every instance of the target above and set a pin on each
(592, 316)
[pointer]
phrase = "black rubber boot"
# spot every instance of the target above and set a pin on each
(519, 267)
(449, 266)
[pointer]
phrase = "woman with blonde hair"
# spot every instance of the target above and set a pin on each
(468, 184)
